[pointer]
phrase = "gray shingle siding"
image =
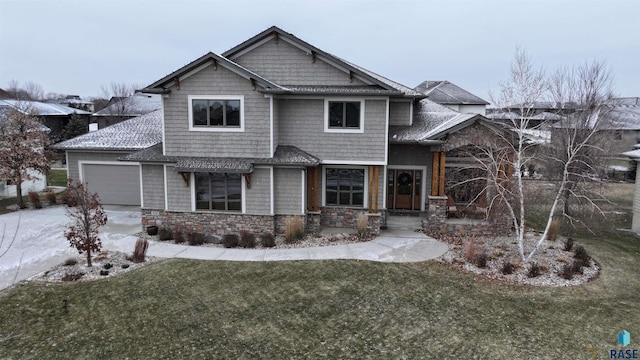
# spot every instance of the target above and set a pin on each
(254, 141)
(258, 197)
(288, 191)
(178, 194)
(400, 113)
(286, 64)
(302, 125)
(74, 156)
(153, 186)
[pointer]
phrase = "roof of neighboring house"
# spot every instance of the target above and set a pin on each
(430, 122)
(625, 114)
(4, 94)
(510, 115)
(444, 92)
(4, 108)
(364, 73)
(137, 133)
(43, 109)
(134, 105)
(284, 155)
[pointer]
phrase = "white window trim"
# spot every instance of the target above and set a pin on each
(328, 129)
(365, 202)
(192, 184)
(215, 128)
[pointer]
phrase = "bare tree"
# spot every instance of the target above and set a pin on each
(118, 94)
(31, 91)
(22, 147)
(87, 215)
(575, 141)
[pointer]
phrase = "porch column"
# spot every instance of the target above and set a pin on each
(437, 173)
(374, 183)
(312, 189)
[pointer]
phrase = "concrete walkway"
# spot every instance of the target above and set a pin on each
(399, 243)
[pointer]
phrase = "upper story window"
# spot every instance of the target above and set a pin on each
(344, 116)
(216, 113)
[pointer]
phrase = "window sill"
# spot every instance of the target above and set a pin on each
(216, 129)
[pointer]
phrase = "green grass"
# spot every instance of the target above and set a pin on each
(331, 309)
(325, 309)
(57, 178)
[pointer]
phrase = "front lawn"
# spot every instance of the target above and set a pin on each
(322, 309)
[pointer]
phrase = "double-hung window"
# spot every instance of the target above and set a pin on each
(344, 187)
(344, 116)
(216, 113)
(218, 191)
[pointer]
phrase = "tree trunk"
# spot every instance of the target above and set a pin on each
(89, 258)
(565, 199)
(19, 194)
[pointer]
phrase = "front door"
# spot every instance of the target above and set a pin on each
(403, 189)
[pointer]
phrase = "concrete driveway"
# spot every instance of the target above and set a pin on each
(40, 243)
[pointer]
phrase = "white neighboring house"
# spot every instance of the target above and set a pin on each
(7, 189)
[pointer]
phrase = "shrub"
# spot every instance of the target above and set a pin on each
(164, 234)
(247, 239)
(70, 262)
(140, 250)
(481, 260)
(230, 240)
(567, 272)
(293, 229)
(535, 270)
(107, 266)
(50, 196)
(178, 237)
(362, 224)
(104, 272)
(578, 266)
(72, 276)
(568, 245)
(471, 251)
(195, 239)
(508, 268)
(552, 235)
(34, 198)
(581, 254)
(268, 240)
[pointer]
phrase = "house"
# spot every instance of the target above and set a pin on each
(276, 128)
(55, 117)
(122, 108)
(634, 155)
(39, 181)
(452, 96)
(76, 102)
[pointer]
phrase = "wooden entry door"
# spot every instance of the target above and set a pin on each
(404, 189)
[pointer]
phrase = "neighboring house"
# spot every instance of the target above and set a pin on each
(634, 155)
(76, 102)
(54, 116)
(120, 109)
(276, 128)
(452, 96)
(8, 189)
(92, 157)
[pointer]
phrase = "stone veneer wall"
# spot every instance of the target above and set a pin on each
(227, 223)
(208, 223)
(436, 222)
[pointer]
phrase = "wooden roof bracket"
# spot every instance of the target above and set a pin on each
(276, 37)
(247, 179)
(185, 178)
(215, 64)
(351, 76)
(313, 56)
(176, 81)
(253, 83)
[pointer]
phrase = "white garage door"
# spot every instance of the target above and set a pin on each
(115, 184)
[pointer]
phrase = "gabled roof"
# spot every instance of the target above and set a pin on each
(372, 77)
(137, 133)
(444, 92)
(134, 105)
(216, 60)
(431, 122)
(43, 109)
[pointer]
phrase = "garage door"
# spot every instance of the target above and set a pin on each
(116, 184)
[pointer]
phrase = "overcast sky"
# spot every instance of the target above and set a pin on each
(75, 47)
